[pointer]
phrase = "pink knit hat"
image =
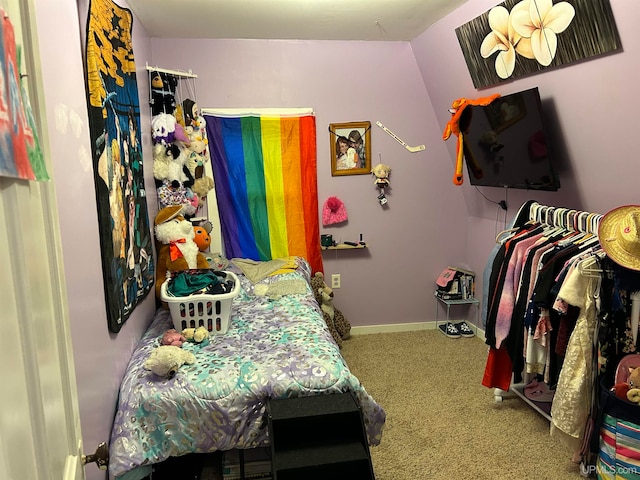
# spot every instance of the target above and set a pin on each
(333, 211)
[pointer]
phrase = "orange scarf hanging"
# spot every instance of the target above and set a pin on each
(453, 126)
(174, 250)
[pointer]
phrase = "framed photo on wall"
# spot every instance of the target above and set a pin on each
(350, 147)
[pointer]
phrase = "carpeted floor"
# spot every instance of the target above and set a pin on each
(441, 422)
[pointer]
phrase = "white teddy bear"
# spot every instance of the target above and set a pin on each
(165, 360)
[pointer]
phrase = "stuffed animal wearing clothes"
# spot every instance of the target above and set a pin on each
(381, 172)
(339, 327)
(177, 250)
(165, 360)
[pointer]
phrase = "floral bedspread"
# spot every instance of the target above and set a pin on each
(273, 349)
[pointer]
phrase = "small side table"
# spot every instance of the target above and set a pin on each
(462, 301)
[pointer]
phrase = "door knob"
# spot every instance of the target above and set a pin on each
(100, 457)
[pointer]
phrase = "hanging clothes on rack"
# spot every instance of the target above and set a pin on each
(559, 313)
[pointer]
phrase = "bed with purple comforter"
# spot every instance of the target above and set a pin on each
(274, 348)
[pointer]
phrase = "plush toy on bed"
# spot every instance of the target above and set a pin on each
(177, 249)
(172, 337)
(197, 335)
(339, 327)
(165, 360)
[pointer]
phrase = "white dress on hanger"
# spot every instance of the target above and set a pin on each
(572, 400)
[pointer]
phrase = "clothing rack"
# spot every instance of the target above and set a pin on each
(563, 219)
(566, 218)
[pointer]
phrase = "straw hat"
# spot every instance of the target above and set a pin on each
(619, 234)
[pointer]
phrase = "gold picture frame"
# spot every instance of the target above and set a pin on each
(350, 147)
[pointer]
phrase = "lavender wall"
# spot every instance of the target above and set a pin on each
(100, 356)
(424, 227)
(590, 107)
(429, 223)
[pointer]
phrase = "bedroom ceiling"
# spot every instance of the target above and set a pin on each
(382, 20)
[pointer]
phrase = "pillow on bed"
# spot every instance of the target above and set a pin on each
(289, 268)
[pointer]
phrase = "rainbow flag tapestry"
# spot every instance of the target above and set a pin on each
(266, 187)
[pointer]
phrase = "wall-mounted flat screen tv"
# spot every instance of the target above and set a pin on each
(506, 144)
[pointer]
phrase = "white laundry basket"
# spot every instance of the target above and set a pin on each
(203, 310)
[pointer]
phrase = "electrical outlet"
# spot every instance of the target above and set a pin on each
(335, 280)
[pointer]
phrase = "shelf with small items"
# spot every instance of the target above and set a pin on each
(345, 246)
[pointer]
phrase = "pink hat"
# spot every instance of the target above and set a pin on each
(333, 211)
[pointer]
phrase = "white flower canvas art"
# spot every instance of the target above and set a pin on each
(523, 37)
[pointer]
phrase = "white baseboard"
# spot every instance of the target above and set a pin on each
(403, 327)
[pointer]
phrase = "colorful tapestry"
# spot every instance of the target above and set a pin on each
(266, 187)
(114, 121)
(20, 153)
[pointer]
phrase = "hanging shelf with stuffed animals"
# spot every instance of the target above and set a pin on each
(181, 161)
(179, 141)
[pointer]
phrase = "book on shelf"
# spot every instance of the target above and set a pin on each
(448, 296)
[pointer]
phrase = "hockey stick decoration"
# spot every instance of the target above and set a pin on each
(419, 148)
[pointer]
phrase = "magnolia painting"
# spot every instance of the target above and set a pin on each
(521, 37)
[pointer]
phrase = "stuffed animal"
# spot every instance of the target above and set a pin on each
(194, 169)
(169, 165)
(202, 237)
(197, 140)
(381, 172)
(633, 395)
(172, 337)
(457, 128)
(339, 327)
(191, 113)
(629, 389)
(163, 128)
(176, 250)
(196, 335)
(163, 87)
(165, 360)
(181, 196)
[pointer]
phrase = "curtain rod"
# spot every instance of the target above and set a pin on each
(178, 73)
(240, 112)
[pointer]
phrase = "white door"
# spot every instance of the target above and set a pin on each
(39, 417)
